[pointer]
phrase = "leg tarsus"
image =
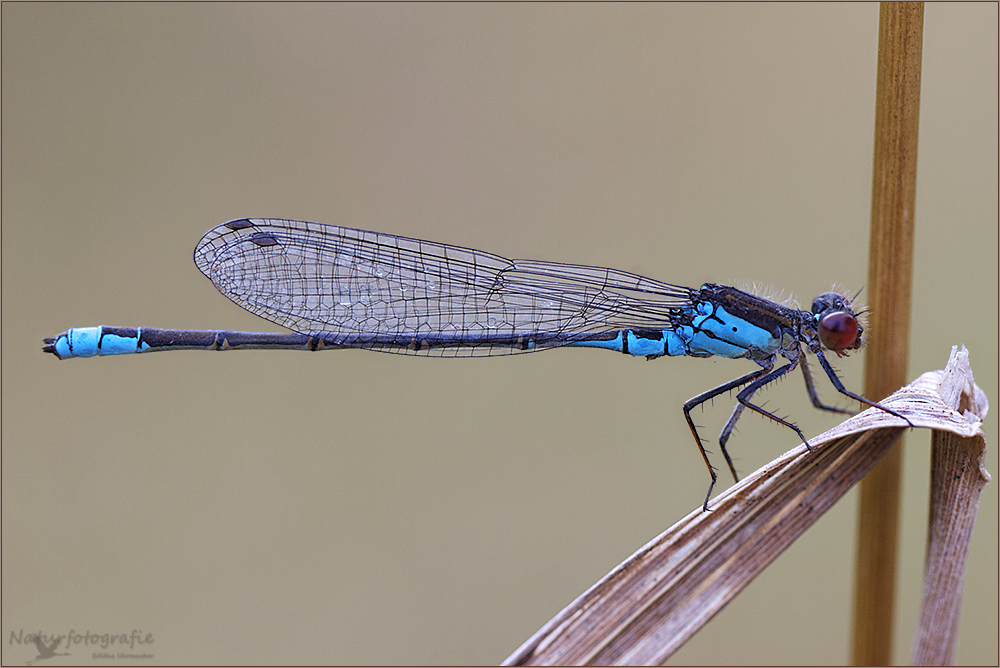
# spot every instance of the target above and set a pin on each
(857, 397)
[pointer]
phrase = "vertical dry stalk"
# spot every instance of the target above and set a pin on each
(890, 262)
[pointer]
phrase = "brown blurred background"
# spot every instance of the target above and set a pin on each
(353, 507)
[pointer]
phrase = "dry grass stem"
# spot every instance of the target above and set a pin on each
(958, 476)
(890, 277)
(644, 609)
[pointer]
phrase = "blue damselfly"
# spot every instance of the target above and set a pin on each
(339, 287)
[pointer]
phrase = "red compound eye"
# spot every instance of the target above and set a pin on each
(838, 330)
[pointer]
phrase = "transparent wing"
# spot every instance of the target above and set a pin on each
(380, 289)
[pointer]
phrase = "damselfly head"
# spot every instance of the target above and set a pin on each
(837, 323)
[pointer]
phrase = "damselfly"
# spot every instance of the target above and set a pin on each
(339, 287)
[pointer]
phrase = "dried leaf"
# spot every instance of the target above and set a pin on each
(644, 610)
